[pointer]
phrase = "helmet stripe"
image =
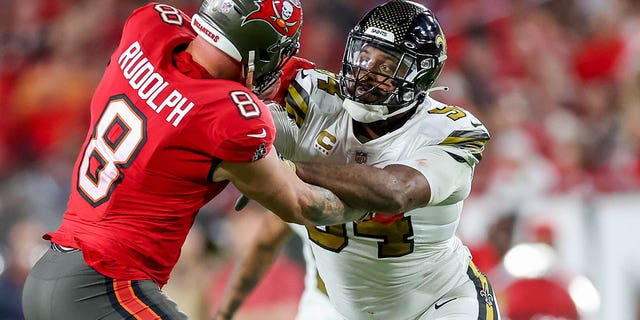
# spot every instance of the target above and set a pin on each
(207, 31)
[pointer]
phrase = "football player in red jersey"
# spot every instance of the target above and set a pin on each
(175, 118)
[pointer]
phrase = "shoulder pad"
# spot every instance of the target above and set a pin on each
(312, 88)
(459, 129)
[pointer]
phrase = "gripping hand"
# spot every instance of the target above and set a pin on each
(288, 72)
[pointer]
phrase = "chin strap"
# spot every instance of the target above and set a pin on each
(438, 88)
(250, 69)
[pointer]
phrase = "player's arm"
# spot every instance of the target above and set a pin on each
(396, 188)
(253, 264)
(436, 175)
(271, 182)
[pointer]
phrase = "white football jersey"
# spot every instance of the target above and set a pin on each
(396, 270)
(314, 303)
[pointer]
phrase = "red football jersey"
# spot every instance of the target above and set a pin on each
(156, 135)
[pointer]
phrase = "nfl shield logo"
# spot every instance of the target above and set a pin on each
(260, 152)
(361, 157)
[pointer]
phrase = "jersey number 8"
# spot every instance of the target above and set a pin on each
(117, 138)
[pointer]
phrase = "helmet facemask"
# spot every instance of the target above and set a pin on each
(265, 80)
(410, 37)
(377, 73)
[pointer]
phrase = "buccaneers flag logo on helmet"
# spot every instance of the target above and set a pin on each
(285, 16)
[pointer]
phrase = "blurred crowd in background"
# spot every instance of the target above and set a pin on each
(557, 83)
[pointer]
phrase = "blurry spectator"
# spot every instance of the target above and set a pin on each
(22, 250)
(517, 172)
(538, 299)
(532, 282)
(567, 151)
(324, 31)
(189, 283)
(276, 297)
(488, 254)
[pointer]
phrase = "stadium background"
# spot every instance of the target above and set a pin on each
(556, 82)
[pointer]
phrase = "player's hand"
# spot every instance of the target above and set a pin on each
(291, 68)
(288, 72)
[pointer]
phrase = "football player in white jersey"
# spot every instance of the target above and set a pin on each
(374, 137)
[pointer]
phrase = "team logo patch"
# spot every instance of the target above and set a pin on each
(260, 152)
(284, 16)
(361, 157)
(488, 297)
(226, 6)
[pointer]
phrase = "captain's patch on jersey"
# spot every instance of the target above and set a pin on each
(260, 152)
